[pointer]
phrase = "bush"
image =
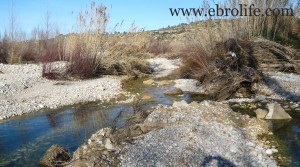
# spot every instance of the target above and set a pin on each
(195, 61)
(222, 72)
(3, 53)
(159, 47)
(81, 64)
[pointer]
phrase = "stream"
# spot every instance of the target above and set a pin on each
(24, 139)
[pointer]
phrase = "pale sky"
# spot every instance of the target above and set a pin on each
(149, 14)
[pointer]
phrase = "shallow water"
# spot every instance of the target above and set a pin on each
(289, 134)
(23, 140)
(286, 132)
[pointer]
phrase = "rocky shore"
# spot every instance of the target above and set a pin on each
(23, 90)
(196, 134)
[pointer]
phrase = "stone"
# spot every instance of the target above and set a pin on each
(274, 150)
(58, 67)
(233, 149)
(108, 144)
(146, 97)
(180, 103)
(163, 83)
(149, 82)
(194, 104)
(189, 85)
(269, 152)
(174, 91)
(276, 112)
(260, 113)
(55, 156)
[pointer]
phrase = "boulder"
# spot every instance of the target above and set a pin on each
(174, 91)
(189, 85)
(276, 112)
(57, 67)
(55, 156)
(260, 113)
(149, 82)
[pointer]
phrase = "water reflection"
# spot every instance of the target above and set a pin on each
(23, 140)
(290, 134)
(286, 131)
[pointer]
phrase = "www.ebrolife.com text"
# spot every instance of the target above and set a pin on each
(241, 10)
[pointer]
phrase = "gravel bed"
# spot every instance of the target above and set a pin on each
(23, 90)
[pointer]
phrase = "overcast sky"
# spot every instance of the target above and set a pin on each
(149, 14)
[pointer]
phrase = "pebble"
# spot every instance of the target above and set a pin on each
(269, 151)
(49, 94)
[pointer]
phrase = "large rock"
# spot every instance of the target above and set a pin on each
(277, 112)
(175, 91)
(58, 67)
(55, 156)
(260, 113)
(189, 85)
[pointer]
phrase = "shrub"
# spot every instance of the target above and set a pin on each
(81, 64)
(196, 60)
(159, 47)
(3, 53)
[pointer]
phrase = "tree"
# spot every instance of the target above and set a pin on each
(12, 31)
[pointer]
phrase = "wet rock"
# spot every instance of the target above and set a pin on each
(164, 82)
(260, 113)
(149, 82)
(189, 85)
(276, 112)
(55, 156)
(146, 97)
(175, 91)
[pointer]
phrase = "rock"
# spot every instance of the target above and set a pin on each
(194, 103)
(276, 112)
(175, 91)
(58, 67)
(269, 152)
(163, 83)
(149, 82)
(55, 156)
(274, 150)
(180, 103)
(260, 113)
(108, 144)
(260, 98)
(233, 149)
(146, 97)
(189, 85)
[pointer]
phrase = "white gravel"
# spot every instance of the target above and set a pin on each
(23, 90)
(163, 67)
(280, 85)
(189, 85)
(206, 134)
